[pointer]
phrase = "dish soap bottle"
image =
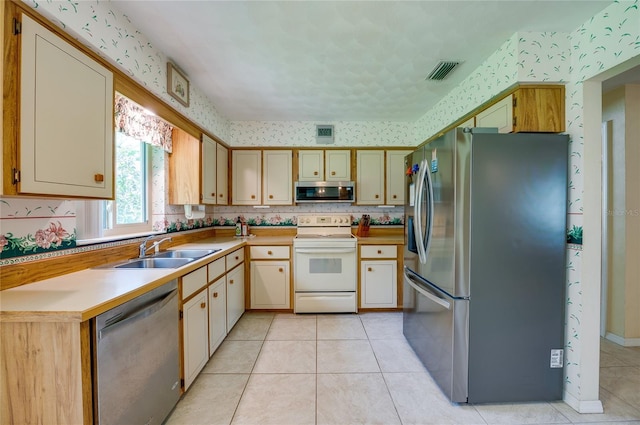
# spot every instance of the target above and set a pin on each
(238, 227)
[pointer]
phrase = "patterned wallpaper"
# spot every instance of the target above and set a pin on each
(606, 40)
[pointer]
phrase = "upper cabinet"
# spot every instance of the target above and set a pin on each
(209, 170)
(222, 175)
(395, 186)
(324, 165)
(184, 169)
(65, 104)
(527, 109)
(253, 170)
(370, 180)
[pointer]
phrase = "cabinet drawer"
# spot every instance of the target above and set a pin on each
(378, 251)
(193, 281)
(269, 252)
(215, 269)
(235, 258)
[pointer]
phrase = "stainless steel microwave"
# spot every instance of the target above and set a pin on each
(325, 191)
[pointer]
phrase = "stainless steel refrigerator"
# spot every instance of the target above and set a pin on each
(484, 263)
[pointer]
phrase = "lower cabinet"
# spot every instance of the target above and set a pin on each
(217, 313)
(270, 285)
(378, 276)
(235, 295)
(195, 328)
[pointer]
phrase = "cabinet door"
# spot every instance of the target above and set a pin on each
(222, 174)
(378, 284)
(499, 115)
(395, 177)
(209, 172)
(539, 109)
(370, 181)
(195, 336)
(310, 165)
(338, 165)
(66, 114)
(235, 296)
(184, 169)
(277, 177)
(217, 313)
(247, 175)
(270, 284)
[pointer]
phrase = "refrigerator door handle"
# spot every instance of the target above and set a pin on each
(430, 212)
(433, 297)
(417, 224)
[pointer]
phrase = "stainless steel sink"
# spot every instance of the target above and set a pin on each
(154, 263)
(186, 253)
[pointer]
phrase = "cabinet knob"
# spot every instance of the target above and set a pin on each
(333, 173)
(213, 194)
(315, 173)
(215, 295)
(369, 269)
(377, 196)
(280, 269)
(203, 305)
(231, 282)
(99, 178)
(253, 196)
(379, 251)
(237, 258)
(220, 195)
(269, 252)
(270, 196)
(395, 196)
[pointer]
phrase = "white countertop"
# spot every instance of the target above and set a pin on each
(79, 296)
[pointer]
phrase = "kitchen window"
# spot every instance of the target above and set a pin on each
(140, 139)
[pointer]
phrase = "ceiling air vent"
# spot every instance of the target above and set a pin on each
(442, 69)
(324, 134)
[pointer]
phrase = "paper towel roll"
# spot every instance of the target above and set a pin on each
(192, 212)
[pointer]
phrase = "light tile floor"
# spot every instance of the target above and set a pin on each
(286, 369)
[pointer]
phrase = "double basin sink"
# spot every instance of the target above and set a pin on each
(163, 260)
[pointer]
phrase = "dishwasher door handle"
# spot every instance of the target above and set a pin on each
(144, 311)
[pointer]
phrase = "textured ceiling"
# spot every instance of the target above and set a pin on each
(344, 60)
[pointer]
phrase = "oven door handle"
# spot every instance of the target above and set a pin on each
(324, 250)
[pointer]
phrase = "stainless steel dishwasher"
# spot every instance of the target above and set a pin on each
(137, 359)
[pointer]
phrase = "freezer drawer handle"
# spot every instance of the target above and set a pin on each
(436, 299)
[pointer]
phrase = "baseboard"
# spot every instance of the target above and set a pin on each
(583, 406)
(625, 342)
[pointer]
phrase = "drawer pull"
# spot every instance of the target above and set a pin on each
(203, 305)
(379, 251)
(369, 269)
(99, 178)
(315, 173)
(215, 295)
(237, 258)
(333, 173)
(270, 252)
(280, 269)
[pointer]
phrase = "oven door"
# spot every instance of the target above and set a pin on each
(325, 269)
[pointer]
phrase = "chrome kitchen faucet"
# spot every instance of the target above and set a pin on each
(155, 245)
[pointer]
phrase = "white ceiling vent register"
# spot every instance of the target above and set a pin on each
(324, 134)
(442, 69)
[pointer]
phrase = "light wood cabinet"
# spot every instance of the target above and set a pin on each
(217, 293)
(66, 104)
(321, 165)
(395, 169)
(222, 175)
(370, 177)
(209, 170)
(527, 109)
(270, 277)
(378, 276)
(195, 319)
(246, 180)
(277, 177)
(184, 169)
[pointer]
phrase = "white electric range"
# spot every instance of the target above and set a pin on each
(324, 262)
